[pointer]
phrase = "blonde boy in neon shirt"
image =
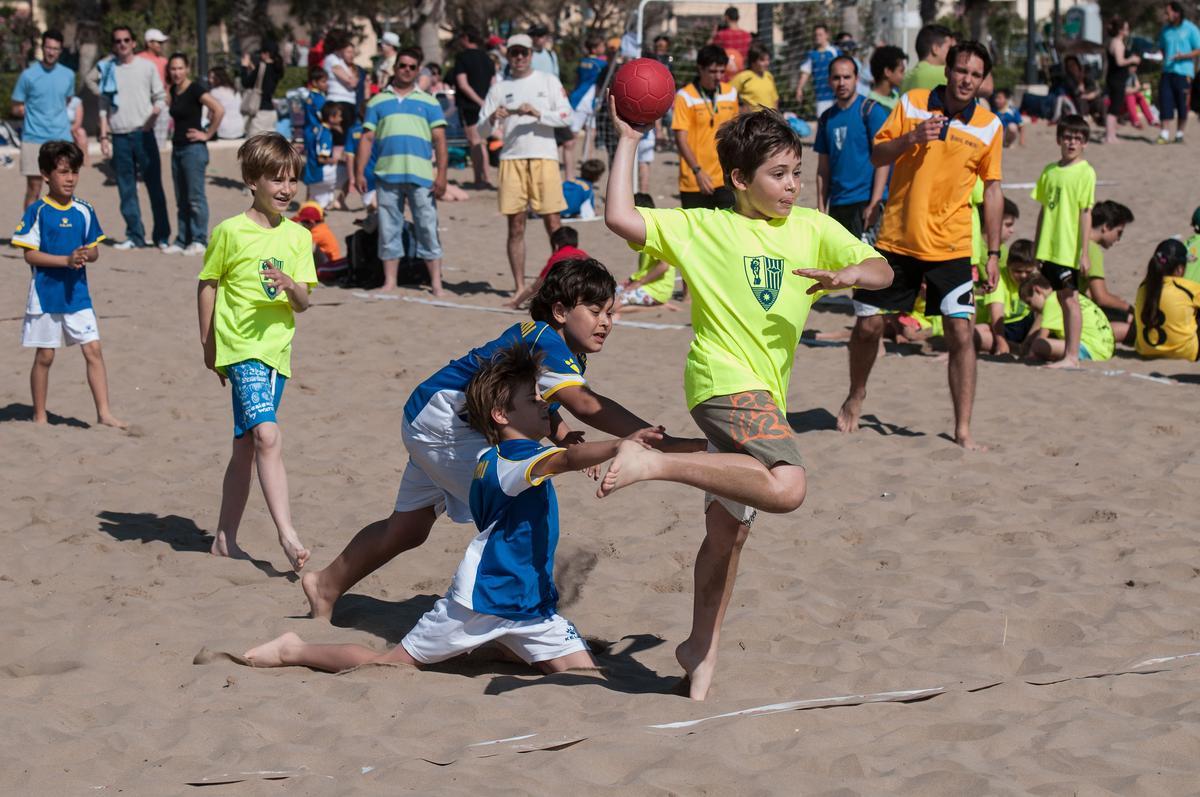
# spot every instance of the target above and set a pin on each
(749, 304)
(258, 272)
(1066, 190)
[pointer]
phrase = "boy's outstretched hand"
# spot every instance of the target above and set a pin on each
(828, 280)
(646, 438)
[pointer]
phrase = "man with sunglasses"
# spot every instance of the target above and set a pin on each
(407, 126)
(131, 98)
(530, 106)
(40, 98)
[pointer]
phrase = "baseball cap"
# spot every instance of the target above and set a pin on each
(308, 213)
(520, 40)
(391, 37)
(155, 35)
(494, 41)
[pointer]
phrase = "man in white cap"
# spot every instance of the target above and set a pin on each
(530, 106)
(389, 45)
(155, 53)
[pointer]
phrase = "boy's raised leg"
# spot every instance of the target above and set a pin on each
(39, 383)
(289, 650)
(373, 547)
(268, 455)
(234, 492)
(97, 376)
(715, 573)
(864, 348)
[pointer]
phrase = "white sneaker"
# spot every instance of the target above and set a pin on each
(173, 249)
(125, 245)
(194, 249)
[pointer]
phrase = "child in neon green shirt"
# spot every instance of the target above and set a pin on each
(1048, 342)
(1192, 272)
(1004, 320)
(653, 284)
(749, 304)
(1066, 191)
(258, 271)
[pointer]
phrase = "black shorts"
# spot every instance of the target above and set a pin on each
(1017, 331)
(720, 199)
(562, 135)
(469, 114)
(949, 289)
(849, 216)
(1059, 277)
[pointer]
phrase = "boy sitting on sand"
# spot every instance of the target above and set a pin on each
(1003, 320)
(503, 590)
(258, 272)
(749, 305)
(1047, 342)
(59, 234)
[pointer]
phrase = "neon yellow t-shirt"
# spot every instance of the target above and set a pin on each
(1095, 333)
(1192, 272)
(748, 308)
(1175, 337)
(1096, 272)
(1007, 293)
(660, 289)
(252, 321)
(756, 90)
(1064, 192)
(923, 76)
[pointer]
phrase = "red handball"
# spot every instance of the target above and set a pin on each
(644, 90)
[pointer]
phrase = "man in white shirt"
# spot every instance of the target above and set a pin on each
(529, 105)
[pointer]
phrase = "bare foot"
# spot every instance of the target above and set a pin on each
(270, 654)
(42, 420)
(1071, 365)
(296, 553)
(320, 605)
(439, 294)
(699, 669)
(967, 443)
(847, 419)
(632, 464)
(108, 420)
(224, 545)
(384, 289)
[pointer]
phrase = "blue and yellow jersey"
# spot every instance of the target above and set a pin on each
(58, 230)
(318, 144)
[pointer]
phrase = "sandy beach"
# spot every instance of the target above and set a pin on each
(1015, 598)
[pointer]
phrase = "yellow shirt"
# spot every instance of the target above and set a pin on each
(1064, 193)
(660, 289)
(701, 117)
(756, 90)
(253, 321)
(928, 215)
(748, 308)
(1175, 337)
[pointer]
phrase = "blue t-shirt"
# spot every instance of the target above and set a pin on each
(1010, 116)
(45, 93)
(58, 230)
(577, 193)
(318, 142)
(508, 569)
(1176, 39)
(312, 110)
(819, 61)
(845, 136)
(438, 405)
(353, 139)
(587, 74)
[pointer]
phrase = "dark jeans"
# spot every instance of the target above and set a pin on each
(134, 154)
(719, 199)
(188, 162)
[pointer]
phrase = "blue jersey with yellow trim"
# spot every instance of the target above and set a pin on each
(353, 140)
(58, 230)
(508, 569)
(318, 145)
(438, 405)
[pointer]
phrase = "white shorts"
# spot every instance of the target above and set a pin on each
(645, 147)
(48, 330)
(637, 297)
(450, 629)
(581, 114)
(439, 472)
(740, 512)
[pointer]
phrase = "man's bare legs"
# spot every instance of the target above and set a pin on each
(516, 250)
(39, 383)
(373, 547)
(33, 189)
(864, 349)
(714, 576)
(235, 490)
(97, 377)
(960, 335)
(391, 267)
(434, 267)
(479, 162)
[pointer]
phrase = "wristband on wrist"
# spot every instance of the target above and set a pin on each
(993, 253)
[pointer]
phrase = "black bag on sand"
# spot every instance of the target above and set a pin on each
(365, 269)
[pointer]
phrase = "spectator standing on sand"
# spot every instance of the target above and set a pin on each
(1180, 45)
(816, 68)
(40, 98)
(155, 53)
(131, 98)
(189, 155)
(264, 70)
(233, 125)
(471, 78)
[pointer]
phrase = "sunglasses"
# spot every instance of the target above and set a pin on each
(518, 52)
(407, 66)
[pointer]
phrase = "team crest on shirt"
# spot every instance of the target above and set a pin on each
(765, 276)
(267, 287)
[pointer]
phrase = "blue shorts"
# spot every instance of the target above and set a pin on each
(1173, 93)
(256, 389)
(1084, 354)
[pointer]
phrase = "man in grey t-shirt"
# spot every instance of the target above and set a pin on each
(131, 98)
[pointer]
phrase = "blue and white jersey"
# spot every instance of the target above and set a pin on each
(318, 143)
(58, 230)
(438, 407)
(508, 569)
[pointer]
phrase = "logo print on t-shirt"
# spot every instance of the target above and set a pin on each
(267, 287)
(765, 276)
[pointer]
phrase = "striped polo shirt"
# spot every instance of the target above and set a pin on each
(928, 214)
(403, 128)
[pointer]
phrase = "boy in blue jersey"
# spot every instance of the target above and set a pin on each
(503, 590)
(572, 316)
(321, 157)
(353, 140)
(59, 234)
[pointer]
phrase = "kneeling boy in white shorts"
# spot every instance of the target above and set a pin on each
(503, 591)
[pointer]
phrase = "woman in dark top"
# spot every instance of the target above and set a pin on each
(189, 154)
(1117, 74)
(263, 121)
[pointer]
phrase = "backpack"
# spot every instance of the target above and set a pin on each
(364, 269)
